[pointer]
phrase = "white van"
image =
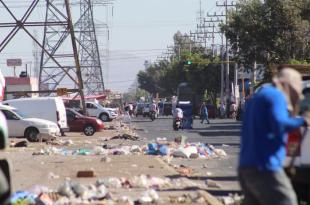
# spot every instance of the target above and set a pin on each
(47, 108)
(33, 129)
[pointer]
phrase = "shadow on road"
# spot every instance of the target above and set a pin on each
(215, 192)
(141, 121)
(212, 127)
(233, 144)
(218, 134)
(215, 133)
(203, 178)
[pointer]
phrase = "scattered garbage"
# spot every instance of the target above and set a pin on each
(51, 175)
(106, 159)
(100, 151)
(60, 142)
(23, 197)
(231, 199)
(220, 152)
(150, 196)
(162, 140)
(132, 137)
(135, 149)
(185, 152)
(181, 140)
(199, 197)
(182, 149)
(99, 193)
(184, 170)
(213, 184)
(85, 174)
(158, 149)
(23, 143)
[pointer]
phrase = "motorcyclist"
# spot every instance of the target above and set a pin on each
(177, 113)
(233, 110)
(153, 108)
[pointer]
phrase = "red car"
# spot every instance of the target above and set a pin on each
(80, 123)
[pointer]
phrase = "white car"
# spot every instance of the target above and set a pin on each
(33, 129)
(47, 108)
(94, 109)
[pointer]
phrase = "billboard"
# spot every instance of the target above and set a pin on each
(14, 62)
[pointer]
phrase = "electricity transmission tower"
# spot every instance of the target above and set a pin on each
(88, 50)
(59, 63)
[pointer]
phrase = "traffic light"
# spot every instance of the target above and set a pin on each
(188, 62)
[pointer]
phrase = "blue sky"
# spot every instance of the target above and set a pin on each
(142, 30)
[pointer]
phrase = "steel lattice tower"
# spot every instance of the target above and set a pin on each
(89, 51)
(59, 58)
(52, 75)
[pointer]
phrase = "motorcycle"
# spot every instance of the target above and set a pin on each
(177, 123)
(233, 115)
(152, 115)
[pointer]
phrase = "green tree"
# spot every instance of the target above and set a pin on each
(273, 31)
(202, 73)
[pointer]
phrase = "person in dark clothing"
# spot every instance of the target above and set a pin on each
(204, 113)
(269, 116)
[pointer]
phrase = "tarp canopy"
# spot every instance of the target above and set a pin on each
(89, 97)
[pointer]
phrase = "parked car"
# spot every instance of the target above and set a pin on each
(301, 164)
(146, 109)
(94, 109)
(80, 123)
(139, 109)
(31, 128)
(47, 108)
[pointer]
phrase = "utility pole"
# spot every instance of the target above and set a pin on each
(218, 20)
(76, 56)
(226, 5)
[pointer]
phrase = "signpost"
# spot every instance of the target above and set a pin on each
(13, 63)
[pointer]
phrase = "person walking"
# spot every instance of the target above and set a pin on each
(204, 113)
(269, 116)
(222, 110)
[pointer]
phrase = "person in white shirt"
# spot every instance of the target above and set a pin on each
(178, 112)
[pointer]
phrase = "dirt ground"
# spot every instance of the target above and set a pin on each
(30, 170)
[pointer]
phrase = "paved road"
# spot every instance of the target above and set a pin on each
(222, 133)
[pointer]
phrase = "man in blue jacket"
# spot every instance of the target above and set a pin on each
(267, 120)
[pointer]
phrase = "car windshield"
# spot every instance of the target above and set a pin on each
(20, 114)
(76, 113)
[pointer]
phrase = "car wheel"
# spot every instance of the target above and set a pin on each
(89, 130)
(32, 134)
(104, 117)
